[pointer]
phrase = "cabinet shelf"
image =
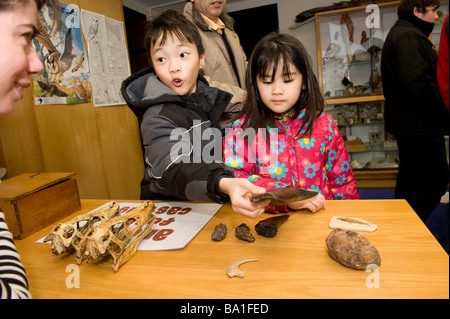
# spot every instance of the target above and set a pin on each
(353, 99)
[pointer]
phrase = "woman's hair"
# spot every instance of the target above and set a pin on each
(7, 5)
(406, 7)
(11, 4)
(169, 23)
(264, 59)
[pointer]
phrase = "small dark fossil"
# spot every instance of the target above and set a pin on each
(243, 232)
(219, 233)
(269, 227)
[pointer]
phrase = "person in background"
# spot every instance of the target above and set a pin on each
(443, 83)
(172, 101)
(295, 143)
(443, 66)
(18, 61)
(225, 62)
(414, 111)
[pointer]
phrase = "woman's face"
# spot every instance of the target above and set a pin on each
(18, 60)
(430, 14)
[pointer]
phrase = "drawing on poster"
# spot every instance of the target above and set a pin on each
(65, 78)
(108, 57)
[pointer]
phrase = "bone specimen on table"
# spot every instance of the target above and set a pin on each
(243, 232)
(219, 233)
(284, 195)
(352, 249)
(269, 227)
(233, 269)
(120, 236)
(348, 223)
(65, 237)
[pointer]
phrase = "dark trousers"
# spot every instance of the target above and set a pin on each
(423, 172)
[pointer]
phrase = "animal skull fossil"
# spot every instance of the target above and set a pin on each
(72, 234)
(120, 236)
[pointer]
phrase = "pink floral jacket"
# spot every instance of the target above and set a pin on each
(317, 163)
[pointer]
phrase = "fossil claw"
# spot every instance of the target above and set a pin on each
(233, 269)
(284, 195)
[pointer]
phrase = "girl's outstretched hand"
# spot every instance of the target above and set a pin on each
(240, 190)
(313, 204)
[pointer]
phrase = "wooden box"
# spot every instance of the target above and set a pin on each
(31, 202)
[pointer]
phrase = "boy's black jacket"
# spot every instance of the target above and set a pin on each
(161, 113)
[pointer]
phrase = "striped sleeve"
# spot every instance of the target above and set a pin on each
(13, 280)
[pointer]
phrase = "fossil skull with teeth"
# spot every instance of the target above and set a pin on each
(72, 234)
(121, 235)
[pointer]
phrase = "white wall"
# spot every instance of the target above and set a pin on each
(287, 11)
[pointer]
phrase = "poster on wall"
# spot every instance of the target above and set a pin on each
(65, 78)
(108, 57)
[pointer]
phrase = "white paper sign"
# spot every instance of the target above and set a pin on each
(175, 225)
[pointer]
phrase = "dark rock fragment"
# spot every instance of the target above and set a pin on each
(219, 233)
(243, 233)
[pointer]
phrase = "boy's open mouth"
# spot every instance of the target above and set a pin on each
(177, 82)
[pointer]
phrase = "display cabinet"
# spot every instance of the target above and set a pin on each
(349, 44)
(372, 151)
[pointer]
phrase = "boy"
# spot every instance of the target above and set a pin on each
(171, 99)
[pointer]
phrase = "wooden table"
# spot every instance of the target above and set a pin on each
(294, 264)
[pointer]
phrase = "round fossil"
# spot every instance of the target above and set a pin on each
(352, 249)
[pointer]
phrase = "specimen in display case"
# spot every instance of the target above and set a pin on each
(349, 44)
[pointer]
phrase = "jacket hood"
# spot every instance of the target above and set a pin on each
(143, 90)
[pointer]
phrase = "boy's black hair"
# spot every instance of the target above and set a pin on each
(406, 7)
(170, 23)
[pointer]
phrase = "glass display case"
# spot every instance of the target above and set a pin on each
(362, 127)
(349, 44)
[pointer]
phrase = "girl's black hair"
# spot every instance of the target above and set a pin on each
(270, 50)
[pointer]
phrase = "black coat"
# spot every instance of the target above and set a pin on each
(413, 105)
(175, 131)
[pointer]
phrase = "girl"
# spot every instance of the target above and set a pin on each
(282, 137)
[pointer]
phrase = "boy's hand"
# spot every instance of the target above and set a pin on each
(240, 190)
(313, 204)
